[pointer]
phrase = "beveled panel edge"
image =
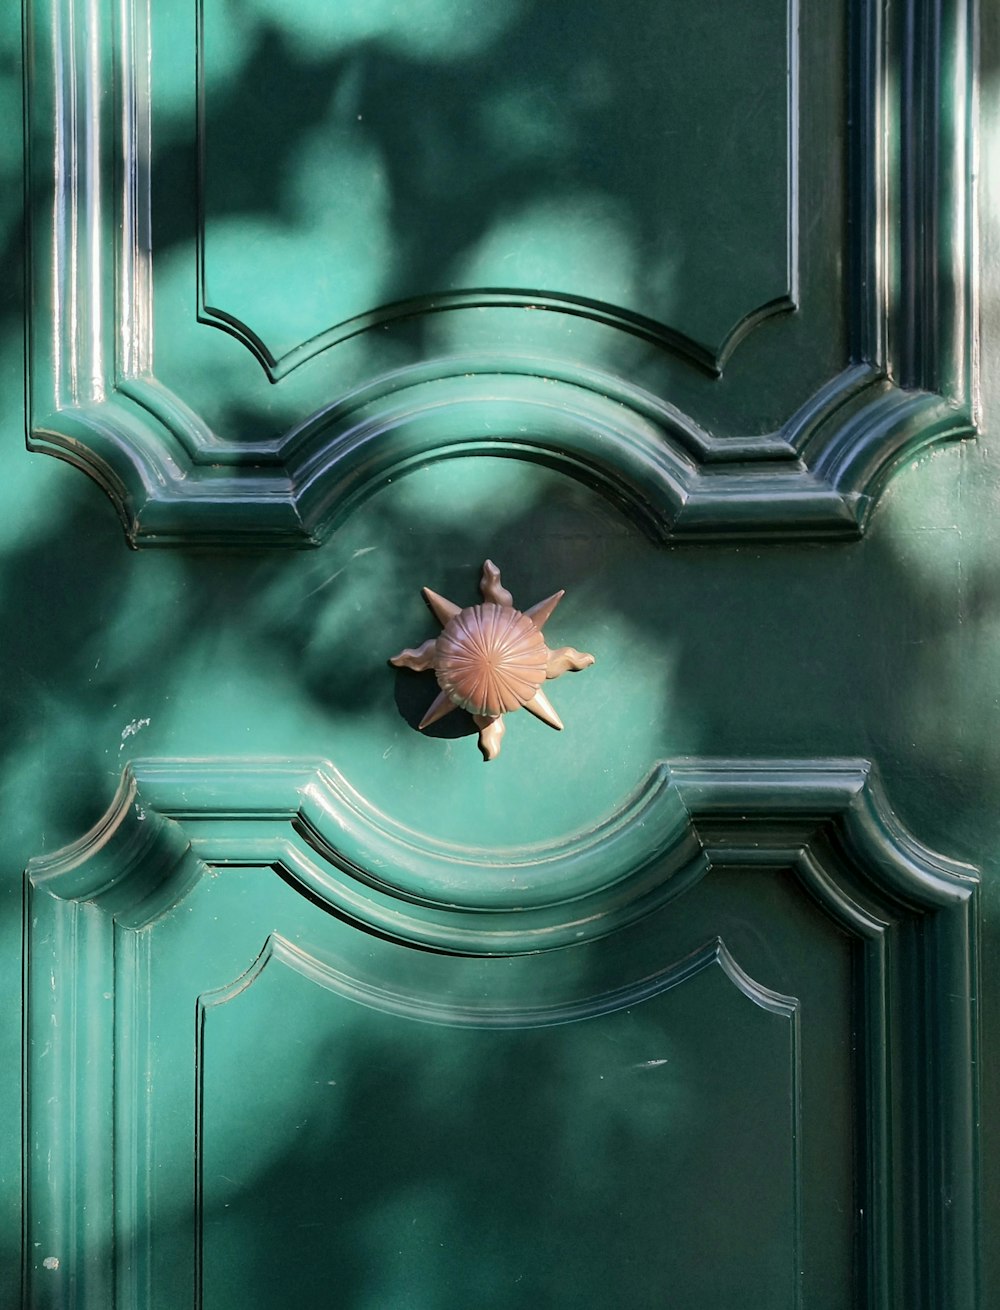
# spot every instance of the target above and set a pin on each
(709, 358)
(484, 1013)
(305, 818)
(816, 479)
(94, 401)
(919, 201)
(636, 325)
(852, 819)
(825, 819)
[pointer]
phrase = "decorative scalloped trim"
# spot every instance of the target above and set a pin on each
(913, 332)
(911, 914)
(487, 1013)
(307, 820)
(646, 458)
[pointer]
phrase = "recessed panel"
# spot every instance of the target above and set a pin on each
(724, 1097)
(644, 1157)
(630, 162)
(680, 213)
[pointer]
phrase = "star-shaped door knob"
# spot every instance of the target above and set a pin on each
(491, 659)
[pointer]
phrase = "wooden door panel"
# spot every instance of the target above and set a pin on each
(647, 302)
(272, 1047)
(777, 303)
(592, 172)
(431, 1165)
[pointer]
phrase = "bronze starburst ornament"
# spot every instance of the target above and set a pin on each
(491, 659)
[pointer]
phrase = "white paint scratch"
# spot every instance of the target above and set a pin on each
(362, 550)
(330, 579)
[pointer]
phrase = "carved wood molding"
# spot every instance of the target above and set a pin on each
(910, 914)
(307, 819)
(95, 400)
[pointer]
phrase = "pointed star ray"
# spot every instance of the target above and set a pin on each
(542, 708)
(540, 613)
(442, 705)
(444, 610)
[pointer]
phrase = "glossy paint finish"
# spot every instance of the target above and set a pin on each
(675, 310)
(854, 328)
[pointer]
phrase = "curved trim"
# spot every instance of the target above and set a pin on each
(911, 364)
(704, 358)
(358, 863)
(485, 1013)
(909, 913)
(816, 478)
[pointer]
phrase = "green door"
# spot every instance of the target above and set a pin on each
(673, 306)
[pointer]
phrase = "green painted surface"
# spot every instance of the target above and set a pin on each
(747, 1063)
(380, 144)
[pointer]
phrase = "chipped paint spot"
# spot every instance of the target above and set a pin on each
(51, 1262)
(131, 729)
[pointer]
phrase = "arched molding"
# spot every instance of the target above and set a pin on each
(908, 377)
(910, 915)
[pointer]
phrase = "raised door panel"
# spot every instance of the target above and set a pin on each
(596, 169)
(668, 1006)
(297, 1078)
(716, 263)
(498, 1160)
